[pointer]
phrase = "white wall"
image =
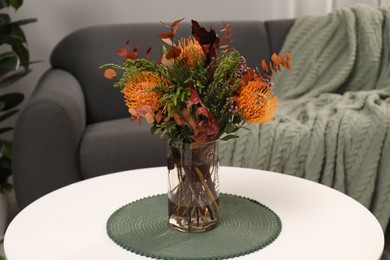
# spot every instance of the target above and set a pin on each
(57, 18)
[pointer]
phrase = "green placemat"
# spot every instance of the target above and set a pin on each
(142, 227)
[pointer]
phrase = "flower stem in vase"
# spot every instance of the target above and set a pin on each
(193, 193)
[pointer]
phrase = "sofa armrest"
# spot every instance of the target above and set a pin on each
(46, 137)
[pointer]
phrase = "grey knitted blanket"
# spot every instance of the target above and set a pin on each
(333, 119)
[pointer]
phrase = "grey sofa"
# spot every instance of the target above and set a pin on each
(75, 126)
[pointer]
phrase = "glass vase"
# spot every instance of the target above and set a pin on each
(193, 186)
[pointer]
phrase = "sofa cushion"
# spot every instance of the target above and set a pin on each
(119, 145)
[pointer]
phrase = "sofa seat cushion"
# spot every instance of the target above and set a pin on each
(119, 145)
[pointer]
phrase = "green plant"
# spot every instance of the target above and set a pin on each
(14, 64)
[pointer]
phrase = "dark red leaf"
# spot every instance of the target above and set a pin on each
(131, 55)
(166, 35)
(175, 30)
(208, 40)
(121, 52)
(225, 38)
(201, 34)
(194, 98)
(148, 51)
(177, 22)
(213, 127)
(202, 111)
(124, 51)
(173, 53)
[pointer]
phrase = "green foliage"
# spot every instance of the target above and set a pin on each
(5, 166)
(215, 93)
(221, 87)
(14, 65)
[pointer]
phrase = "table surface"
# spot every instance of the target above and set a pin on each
(318, 222)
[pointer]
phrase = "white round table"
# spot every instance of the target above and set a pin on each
(318, 222)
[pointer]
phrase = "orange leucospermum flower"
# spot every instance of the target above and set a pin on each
(138, 96)
(255, 101)
(190, 51)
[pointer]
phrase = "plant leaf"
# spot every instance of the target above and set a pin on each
(110, 73)
(168, 41)
(166, 35)
(5, 129)
(275, 59)
(208, 40)
(6, 55)
(173, 53)
(8, 114)
(175, 23)
(4, 18)
(264, 65)
(23, 54)
(10, 39)
(24, 21)
(17, 30)
(6, 148)
(11, 100)
(10, 79)
(121, 52)
(8, 64)
(148, 51)
(16, 3)
(228, 137)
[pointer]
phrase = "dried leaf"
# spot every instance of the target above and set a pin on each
(168, 41)
(202, 111)
(173, 53)
(127, 53)
(121, 52)
(159, 116)
(177, 22)
(227, 38)
(194, 98)
(208, 40)
(264, 65)
(131, 55)
(166, 35)
(149, 116)
(175, 30)
(288, 55)
(110, 73)
(275, 59)
(148, 51)
(165, 25)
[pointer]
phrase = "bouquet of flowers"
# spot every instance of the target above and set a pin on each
(200, 90)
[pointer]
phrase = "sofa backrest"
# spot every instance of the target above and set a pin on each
(83, 51)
